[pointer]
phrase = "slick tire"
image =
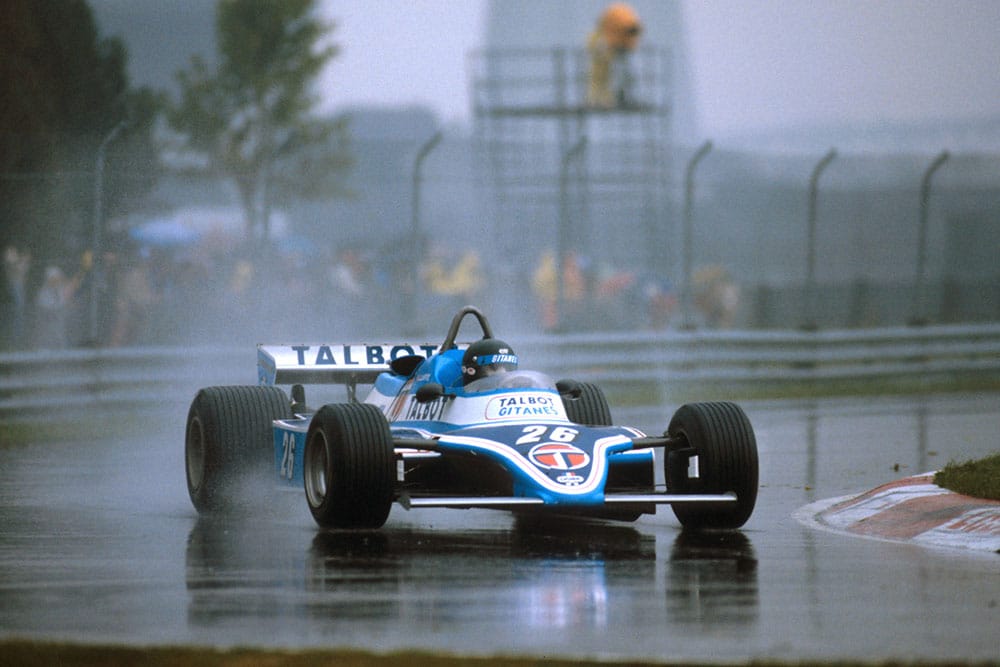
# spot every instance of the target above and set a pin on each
(229, 443)
(590, 408)
(721, 436)
(349, 466)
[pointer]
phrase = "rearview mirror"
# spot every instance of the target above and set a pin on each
(429, 392)
(570, 388)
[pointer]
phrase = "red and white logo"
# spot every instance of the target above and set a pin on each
(558, 456)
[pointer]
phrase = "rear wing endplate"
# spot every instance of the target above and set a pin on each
(331, 364)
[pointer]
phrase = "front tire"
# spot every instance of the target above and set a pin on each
(721, 436)
(349, 466)
(229, 442)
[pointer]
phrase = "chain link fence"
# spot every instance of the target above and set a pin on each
(892, 245)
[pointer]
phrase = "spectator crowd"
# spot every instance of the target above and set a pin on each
(210, 294)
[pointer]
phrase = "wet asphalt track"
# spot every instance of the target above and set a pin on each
(99, 542)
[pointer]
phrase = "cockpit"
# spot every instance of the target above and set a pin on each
(511, 380)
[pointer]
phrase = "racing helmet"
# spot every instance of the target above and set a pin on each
(486, 357)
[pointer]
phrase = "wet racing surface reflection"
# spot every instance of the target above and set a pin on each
(527, 583)
(100, 543)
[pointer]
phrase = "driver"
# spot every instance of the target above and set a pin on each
(486, 357)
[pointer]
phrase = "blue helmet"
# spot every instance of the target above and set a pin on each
(486, 357)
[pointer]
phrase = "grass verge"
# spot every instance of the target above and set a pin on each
(979, 478)
(32, 654)
(86, 427)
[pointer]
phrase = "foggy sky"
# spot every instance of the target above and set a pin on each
(767, 63)
(753, 64)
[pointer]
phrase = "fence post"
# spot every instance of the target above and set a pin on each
(687, 234)
(917, 317)
(96, 240)
(417, 250)
(809, 321)
(563, 232)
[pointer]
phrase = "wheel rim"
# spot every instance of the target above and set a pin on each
(195, 453)
(314, 472)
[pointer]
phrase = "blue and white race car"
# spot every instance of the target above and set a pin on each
(458, 425)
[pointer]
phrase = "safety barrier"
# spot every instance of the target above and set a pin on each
(135, 378)
(643, 365)
(717, 364)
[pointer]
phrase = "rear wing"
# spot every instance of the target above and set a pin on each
(348, 364)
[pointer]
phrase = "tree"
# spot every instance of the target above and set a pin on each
(251, 116)
(62, 90)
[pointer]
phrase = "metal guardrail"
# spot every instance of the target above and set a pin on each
(133, 378)
(697, 366)
(656, 365)
(780, 355)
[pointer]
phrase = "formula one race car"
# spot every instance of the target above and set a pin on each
(458, 425)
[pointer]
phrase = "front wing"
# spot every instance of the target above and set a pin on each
(535, 490)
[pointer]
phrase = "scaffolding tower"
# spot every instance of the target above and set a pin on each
(565, 177)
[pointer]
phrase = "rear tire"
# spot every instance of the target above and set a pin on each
(721, 436)
(590, 408)
(229, 443)
(349, 466)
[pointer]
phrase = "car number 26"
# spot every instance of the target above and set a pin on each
(539, 432)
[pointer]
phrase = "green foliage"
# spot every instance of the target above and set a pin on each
(63, 90)
(980, 479)
(251, 116)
